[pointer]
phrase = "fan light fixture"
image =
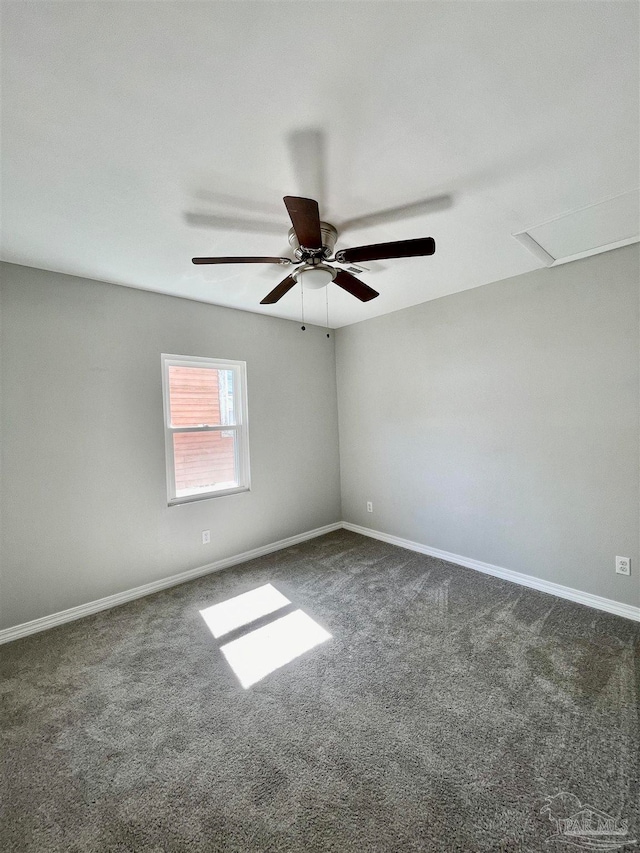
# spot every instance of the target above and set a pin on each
(315, 278)
(312, 241)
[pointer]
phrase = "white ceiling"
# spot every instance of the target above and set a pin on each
(120, 118)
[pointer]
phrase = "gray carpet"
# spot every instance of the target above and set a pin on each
(443, 712)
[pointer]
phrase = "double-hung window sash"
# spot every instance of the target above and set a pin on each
(206, 434)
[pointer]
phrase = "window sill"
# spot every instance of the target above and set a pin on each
(206, 496)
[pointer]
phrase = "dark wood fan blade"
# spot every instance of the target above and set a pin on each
(279, 291)
(354, 286)
(305, 218)
(284, 261)
(381, 251)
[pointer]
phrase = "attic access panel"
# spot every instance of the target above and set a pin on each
(590, 230)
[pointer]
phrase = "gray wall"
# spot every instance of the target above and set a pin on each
(499, 423)
(84, 502)
(502, 423)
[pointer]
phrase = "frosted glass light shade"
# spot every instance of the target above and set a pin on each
(316, 278)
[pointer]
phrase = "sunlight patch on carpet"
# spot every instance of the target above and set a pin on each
(243, 609)
(266, 649)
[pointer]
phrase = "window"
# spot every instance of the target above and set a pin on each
(205, 423)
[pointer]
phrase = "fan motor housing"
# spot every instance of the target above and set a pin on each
(329, 236)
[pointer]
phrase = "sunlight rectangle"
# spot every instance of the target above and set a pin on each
(266, 649)
(243, 609)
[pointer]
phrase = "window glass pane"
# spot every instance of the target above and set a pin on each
(201, 396)
(205, 461)
(226, 396)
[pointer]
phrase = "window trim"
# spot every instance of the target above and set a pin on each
(240, 427)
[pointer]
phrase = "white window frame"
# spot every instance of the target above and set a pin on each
(241, 426)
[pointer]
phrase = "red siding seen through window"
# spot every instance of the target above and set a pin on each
(194, 396)
(202, 459)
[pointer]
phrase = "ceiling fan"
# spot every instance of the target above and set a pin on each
(312, 242)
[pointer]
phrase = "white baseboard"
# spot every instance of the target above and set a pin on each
(616, 607)
(628, 611)
(33, 627)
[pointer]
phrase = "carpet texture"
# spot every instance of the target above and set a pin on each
(443, 712)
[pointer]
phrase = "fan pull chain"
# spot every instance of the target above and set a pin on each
(303, 327)
(326, 290)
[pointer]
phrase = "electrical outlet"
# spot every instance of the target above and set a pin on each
(206, 537)
(623, 565)
(369, 506)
